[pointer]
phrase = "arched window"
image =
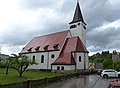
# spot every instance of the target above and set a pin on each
(42, 59)
(52, 56)
(62, 68)
(58, 68)
(33, 59)
(78, 23)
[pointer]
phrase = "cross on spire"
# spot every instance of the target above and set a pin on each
(77, 0)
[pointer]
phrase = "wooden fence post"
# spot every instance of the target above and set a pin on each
(29, 83)
(56, 78)
(46, 80)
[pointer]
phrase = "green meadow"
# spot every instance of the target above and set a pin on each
(13, 76)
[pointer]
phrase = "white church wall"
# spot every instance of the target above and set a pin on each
(51, 59)
(39, 65)
(83, 34)
(48, 60)
(66, 67)
(69, 34)
(87, 61)
(83, 62)
(32, 66)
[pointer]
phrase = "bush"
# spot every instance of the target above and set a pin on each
(92, 68)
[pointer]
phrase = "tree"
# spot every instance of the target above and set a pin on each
(19, 62)
(92, 68)
(107, 63)
(1, 61)
(117, 65)
(7, 63)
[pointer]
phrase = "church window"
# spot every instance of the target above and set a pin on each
(79, 58)
(73, 26)
(78, 23)
(42, 59)
(33, 59)
(58, 68)
(52, 56)
(62, 68)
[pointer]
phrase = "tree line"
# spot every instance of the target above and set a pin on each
(105, 57)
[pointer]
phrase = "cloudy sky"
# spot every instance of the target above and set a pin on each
(21, 20)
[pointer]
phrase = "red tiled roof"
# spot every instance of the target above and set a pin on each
(66, 58)
(46, 42)
(72, 44)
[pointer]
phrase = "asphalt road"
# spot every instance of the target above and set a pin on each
(91, 81)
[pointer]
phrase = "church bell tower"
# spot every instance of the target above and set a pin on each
(77, 25)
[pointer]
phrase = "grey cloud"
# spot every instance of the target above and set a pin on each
(107, 39)
(35, 4)
(20, 34)
(98, 12)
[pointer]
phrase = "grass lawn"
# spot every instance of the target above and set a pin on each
(13, 76)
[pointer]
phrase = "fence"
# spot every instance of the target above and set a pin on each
(40, 82)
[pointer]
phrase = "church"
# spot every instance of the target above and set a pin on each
(65, 50)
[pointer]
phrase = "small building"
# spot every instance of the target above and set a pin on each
(64, 50)
(116, 57)
(98, 65)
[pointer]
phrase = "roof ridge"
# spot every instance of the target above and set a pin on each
(76, 44)
(85, 49)
(51, 33)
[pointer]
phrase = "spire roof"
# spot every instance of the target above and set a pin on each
(77, 15)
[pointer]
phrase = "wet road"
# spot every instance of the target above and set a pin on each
(91, 81)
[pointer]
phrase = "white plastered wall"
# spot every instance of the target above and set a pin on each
(39, 65)
(47, 59)
(51, 60)
(66, 67)
(84, 61)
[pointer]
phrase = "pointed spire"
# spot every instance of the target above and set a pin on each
(77, 15)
